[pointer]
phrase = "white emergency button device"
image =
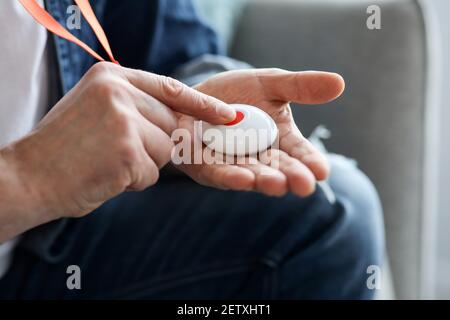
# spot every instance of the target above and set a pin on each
(251, 132)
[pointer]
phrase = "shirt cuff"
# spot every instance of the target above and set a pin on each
(206, 66)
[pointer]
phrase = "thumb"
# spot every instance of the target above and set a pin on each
(307, 87)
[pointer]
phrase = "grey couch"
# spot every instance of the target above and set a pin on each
(384, 119)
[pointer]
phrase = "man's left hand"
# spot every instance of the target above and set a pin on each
(299, 164)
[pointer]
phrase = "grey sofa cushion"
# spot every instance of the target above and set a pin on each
(379, 121)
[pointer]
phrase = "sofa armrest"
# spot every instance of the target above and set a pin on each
(380, 120)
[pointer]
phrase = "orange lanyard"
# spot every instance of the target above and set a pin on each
(45, 19)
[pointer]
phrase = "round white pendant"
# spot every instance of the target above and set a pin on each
(251, 132)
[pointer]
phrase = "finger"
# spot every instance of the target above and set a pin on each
(221, 176)
(146, 175)
(157, 143)
(307, 87)
(217, 175)
(300, 179)
(180, 97)
(302, 149)
(155, 112)
(269, 181)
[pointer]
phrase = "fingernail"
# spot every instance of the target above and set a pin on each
(225, 111)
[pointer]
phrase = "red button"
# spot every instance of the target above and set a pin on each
(239, 118)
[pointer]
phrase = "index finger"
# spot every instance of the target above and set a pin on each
(180, 97)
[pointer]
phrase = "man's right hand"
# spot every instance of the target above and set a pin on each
(110, 134)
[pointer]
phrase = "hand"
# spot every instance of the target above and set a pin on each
(300, 164)
(111, 133)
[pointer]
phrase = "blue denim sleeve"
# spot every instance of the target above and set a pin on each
(159, 35)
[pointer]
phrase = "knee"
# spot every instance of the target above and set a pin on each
(331, 245)
(361, 210)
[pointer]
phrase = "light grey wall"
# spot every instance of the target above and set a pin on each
(442, 11)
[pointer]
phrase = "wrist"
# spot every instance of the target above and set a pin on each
(22, 205)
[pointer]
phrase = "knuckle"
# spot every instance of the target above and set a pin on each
(101, 68)
(153, 176)
(128, 154)
(276, 70)
(121, 181)
(172, 125)
(110, 91)
(124, 170)
(269, 71)
(204, 104)
(167, 152)
(171, 88)
(147, 176)
(200, 103)
(163, 154)
(120, 124)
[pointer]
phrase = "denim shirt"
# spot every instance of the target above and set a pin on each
(156, 35)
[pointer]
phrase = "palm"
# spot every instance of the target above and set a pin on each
(300, 164)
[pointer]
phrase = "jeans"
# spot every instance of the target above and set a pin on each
(180, 240)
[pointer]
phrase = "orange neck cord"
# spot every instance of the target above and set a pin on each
(46, 20)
